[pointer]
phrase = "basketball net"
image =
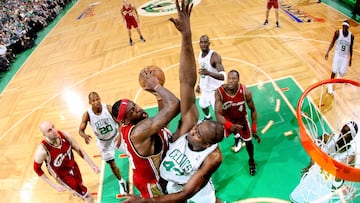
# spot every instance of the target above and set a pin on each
(337, 169)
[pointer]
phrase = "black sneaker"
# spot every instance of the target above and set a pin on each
(142, 39)
(252, 167)
(131, 42)
(277, 24)
(266, 22)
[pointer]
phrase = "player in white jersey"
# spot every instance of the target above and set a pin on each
(181, 163)
(194, 143)
(343, 40)
(316, 184)
(212, 75)
(106, 130)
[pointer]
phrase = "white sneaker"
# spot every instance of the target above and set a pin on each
(123, 187)
(236, 148)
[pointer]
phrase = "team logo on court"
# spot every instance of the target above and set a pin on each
(298, 15)
(160, 7)
(89, 11)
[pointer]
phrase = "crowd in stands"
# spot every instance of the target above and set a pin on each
(20, 22)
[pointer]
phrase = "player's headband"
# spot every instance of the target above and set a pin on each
(346, 24)
(351, 125)
(122, 110)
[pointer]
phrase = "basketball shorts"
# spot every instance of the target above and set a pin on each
(207, 98)
(339, 64)
(107, 148)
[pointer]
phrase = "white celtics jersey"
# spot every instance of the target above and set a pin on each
(180, 162)
(331, 150)
(103, 125)
(318, 185)
(206, 82)
(342, 44)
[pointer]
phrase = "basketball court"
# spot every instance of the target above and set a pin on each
(280, 150)
(87, 50)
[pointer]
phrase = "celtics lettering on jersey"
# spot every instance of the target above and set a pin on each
(179, 163)
(104, 126)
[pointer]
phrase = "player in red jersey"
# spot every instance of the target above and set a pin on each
(131, 19)
(230, 110)
(146, 139)
(269, 5)
(146, 168)
(56, 151)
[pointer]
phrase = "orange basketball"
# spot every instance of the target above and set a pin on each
(155, 71)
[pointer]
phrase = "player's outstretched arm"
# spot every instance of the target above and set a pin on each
(76, 147)
(187, 67)
(170, 108)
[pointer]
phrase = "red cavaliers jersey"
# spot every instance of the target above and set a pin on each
(234, 108)
(146, 169)
(127, 12)
(60, 160)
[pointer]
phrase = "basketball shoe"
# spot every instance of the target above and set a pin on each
(238, 143)
(123, 187)
(252, 167)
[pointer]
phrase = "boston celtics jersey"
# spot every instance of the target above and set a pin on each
(180, 162)
(103, 125)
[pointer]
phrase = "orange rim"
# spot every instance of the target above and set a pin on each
(332, 166)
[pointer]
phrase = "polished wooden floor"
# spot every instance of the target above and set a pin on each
(92, 54)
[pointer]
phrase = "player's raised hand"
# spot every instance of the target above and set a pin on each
(150, 81)
(182, 22)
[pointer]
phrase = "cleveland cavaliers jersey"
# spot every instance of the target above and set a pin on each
(61, 159)
(127, 12)
(103, 125)
(180, 162)
(146, 169)
(342, 44)
(234, 107)
(206, 82)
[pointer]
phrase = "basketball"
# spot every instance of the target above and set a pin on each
(155, 71)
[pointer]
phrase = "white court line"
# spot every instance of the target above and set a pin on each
(150, 53)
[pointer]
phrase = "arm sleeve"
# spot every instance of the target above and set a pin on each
(37, 169)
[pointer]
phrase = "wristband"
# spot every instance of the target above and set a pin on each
(254, 128)
(228, 125)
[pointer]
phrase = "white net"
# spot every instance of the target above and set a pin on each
(329, 133)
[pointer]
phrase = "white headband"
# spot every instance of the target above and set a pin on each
(345, 23)
(350, 124)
